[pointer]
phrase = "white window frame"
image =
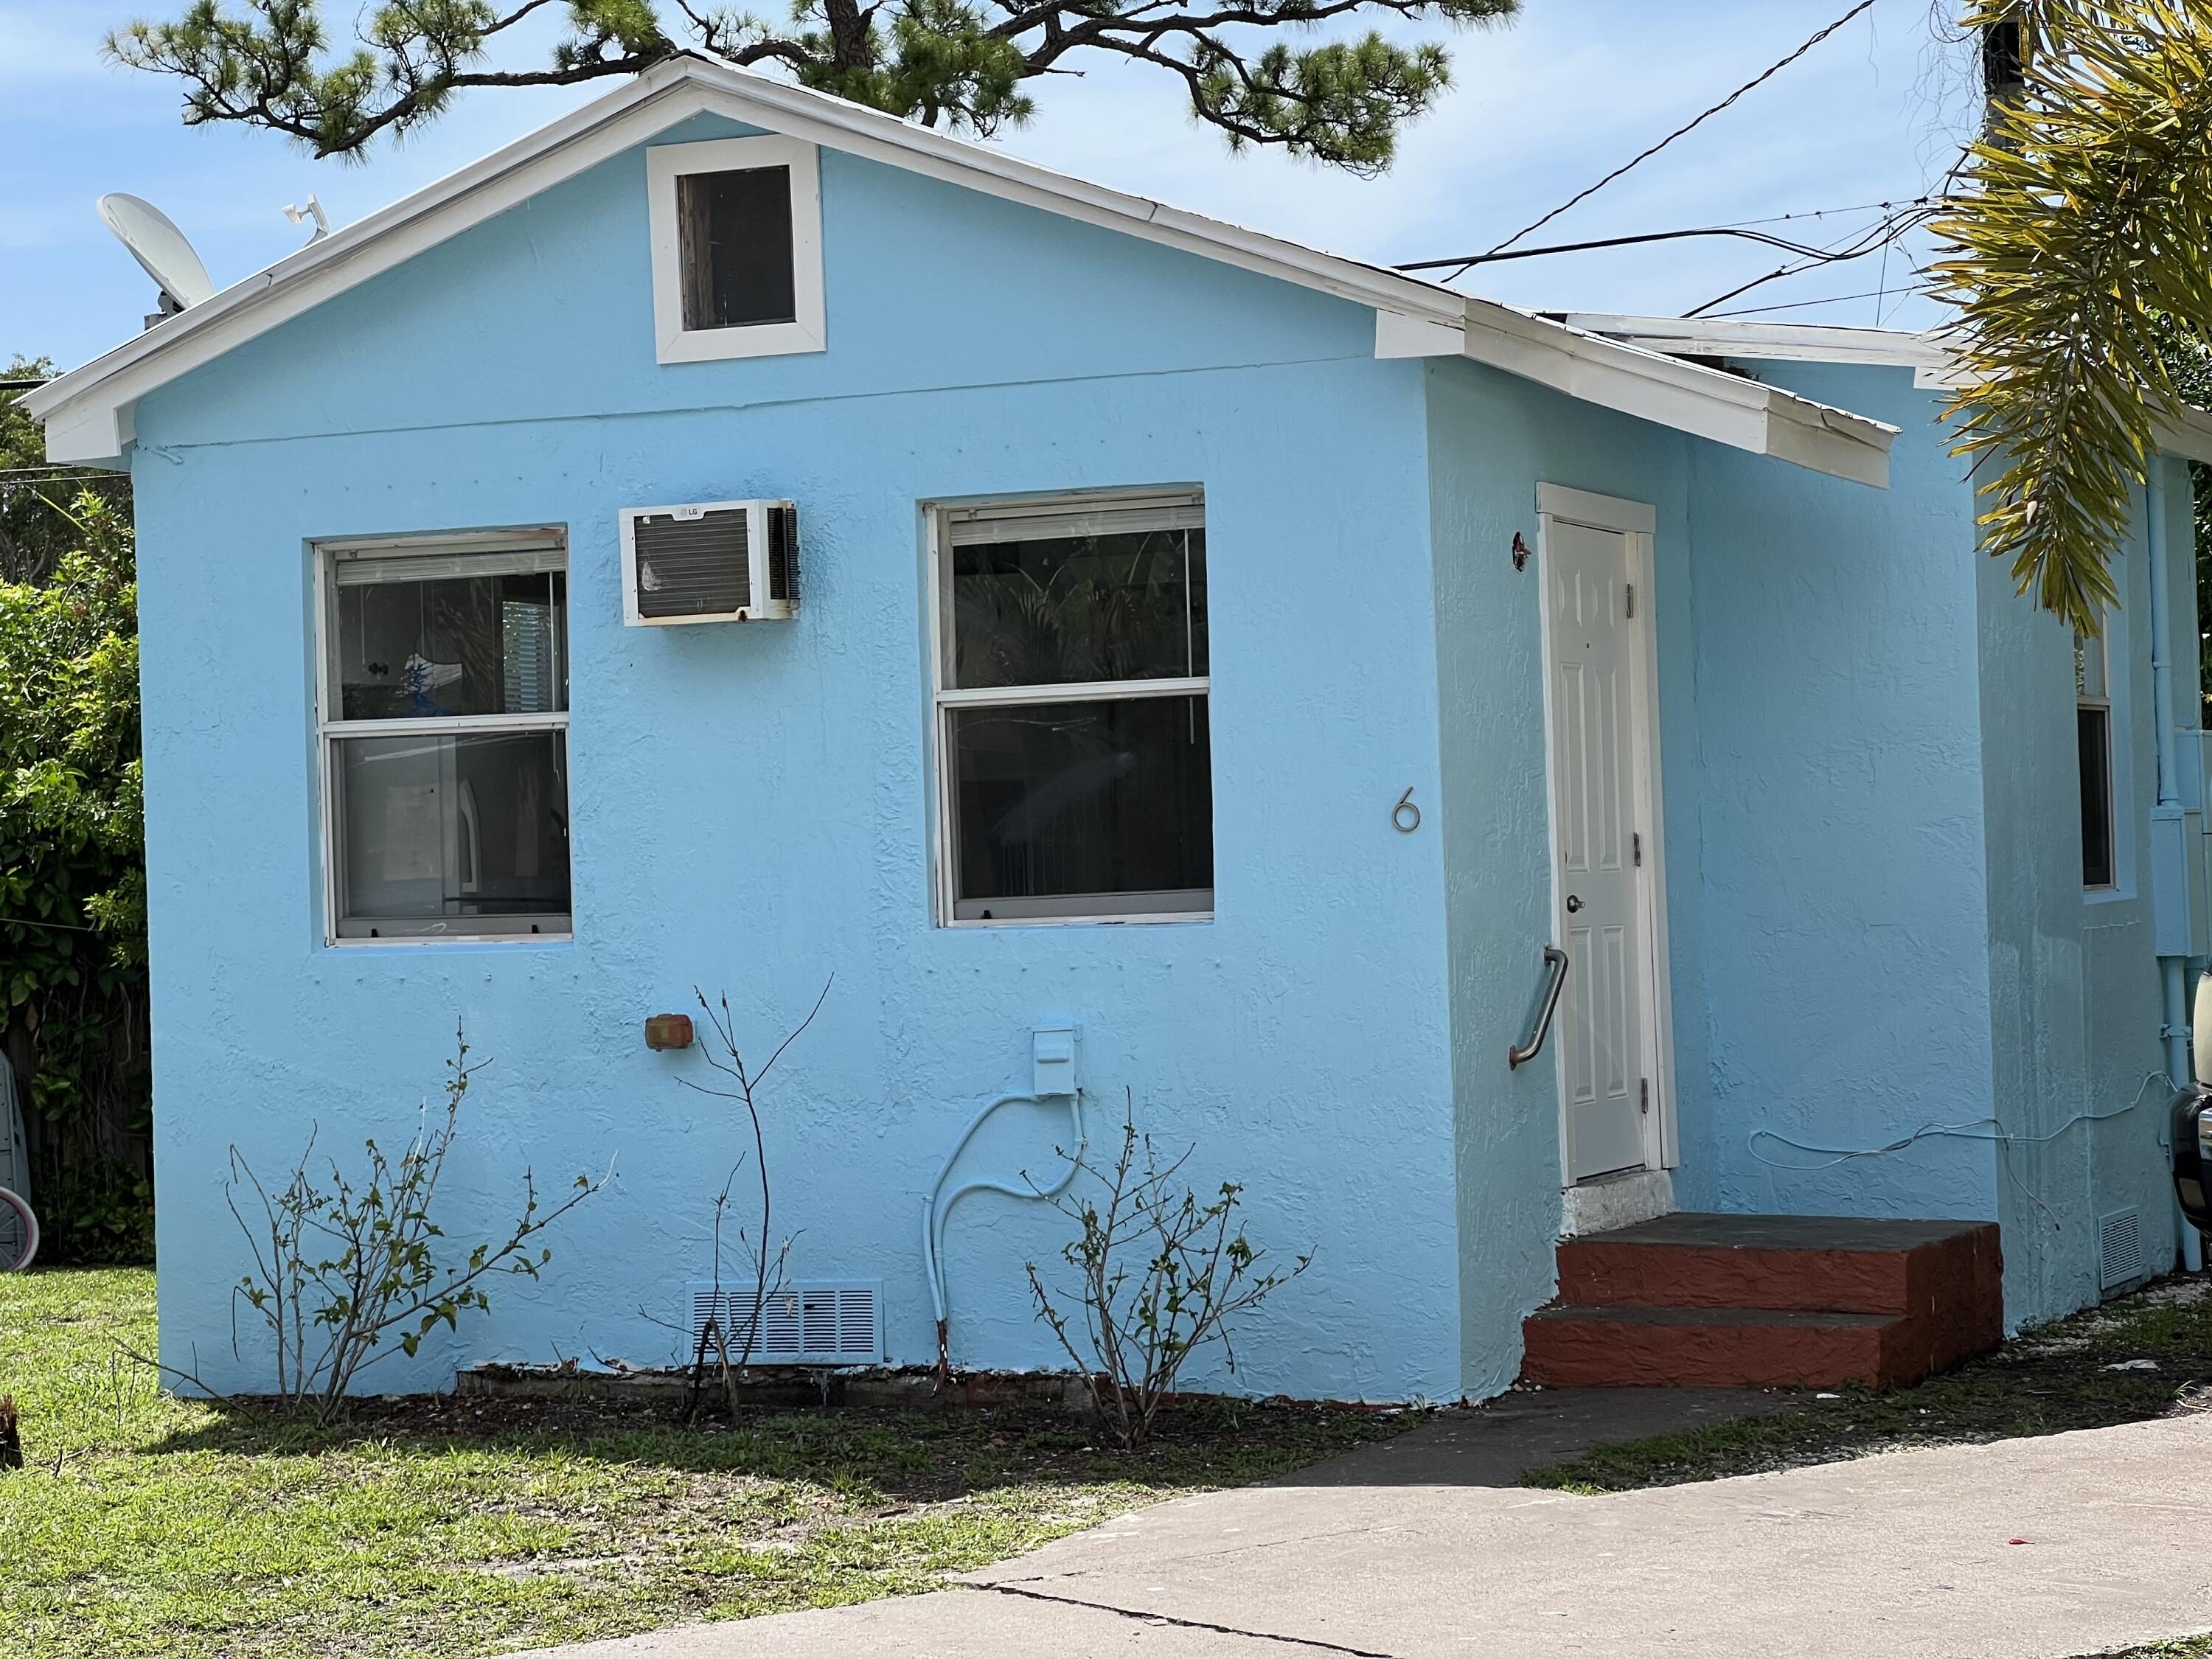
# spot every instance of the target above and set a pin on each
(329, 729)
(2084, 698)
(1078, 909)
(663, 165)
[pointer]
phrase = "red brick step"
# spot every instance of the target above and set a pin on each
(1767, 1301)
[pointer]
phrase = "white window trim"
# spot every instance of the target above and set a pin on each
(663, 165)
(329, 730)
(2102, 645)
(1082, 910)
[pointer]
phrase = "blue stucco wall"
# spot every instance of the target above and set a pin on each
(1896, 933)
(1492, 439)
(2077, 1013)
(751, 804)
(1843, 904)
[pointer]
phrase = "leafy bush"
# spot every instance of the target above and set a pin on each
(73, 890)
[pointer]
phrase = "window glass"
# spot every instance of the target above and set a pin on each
(2093, 732)
(736, 251)
(1070, 609)
(451, 828)
(2094, 729)
(452, 646)
(455, 824)
(1054, 801)
(1075, 750)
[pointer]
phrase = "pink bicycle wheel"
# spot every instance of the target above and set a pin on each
(19, 1233)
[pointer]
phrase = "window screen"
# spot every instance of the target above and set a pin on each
(736, 251)
(1074, 736)
(445, 741)
(2093, 717)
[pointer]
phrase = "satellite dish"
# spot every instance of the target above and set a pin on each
(160, 248)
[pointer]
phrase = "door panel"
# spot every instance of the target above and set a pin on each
(1596, 775)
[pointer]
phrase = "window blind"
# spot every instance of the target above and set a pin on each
(970, 525)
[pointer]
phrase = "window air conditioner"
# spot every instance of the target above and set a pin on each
(710, 561)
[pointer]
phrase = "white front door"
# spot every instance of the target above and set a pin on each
(1600, 836)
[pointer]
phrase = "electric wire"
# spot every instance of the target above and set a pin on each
(1744, 230)
(1690, 127)
(1872, 240)
(1792, 305)
(1969, 1130)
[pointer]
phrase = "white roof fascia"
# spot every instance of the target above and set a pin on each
(87, 411)
(1811, 342)
(2187, 435)
(1708, 402)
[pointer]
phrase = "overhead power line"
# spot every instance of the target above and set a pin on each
(1878, 237)
(1690, 127)
(1742, 230)
(1793, 305)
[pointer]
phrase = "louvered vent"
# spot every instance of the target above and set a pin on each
(710, 561)
(822, 1321)
(783, 554)
(2120, 1250)
(697, 567)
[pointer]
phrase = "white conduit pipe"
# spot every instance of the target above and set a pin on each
(2173, 970)
(933, 1212)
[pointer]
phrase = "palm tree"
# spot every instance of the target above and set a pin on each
(2082, 269)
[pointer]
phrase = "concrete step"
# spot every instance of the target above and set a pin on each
(1817, 1263)
(1735, 1301)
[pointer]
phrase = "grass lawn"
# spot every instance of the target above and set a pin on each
(2085, 1372)
(144, 1524)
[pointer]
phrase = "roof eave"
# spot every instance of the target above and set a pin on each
(1708, 403)
(89, 412)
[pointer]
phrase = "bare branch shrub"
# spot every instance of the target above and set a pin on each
(726, 1348)
(1163, 1276)
(342, 1263)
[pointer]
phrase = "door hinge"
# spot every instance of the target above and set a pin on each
(1635, 846)
(1632, 597)
(1643, 1096)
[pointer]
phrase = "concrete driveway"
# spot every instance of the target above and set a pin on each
(2027, 1549)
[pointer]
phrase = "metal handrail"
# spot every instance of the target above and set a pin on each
(1555, 959)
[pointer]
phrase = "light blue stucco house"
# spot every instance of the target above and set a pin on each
(1205, 669)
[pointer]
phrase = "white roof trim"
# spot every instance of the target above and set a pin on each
(2188, 436)
(1811, 342)
(87, 412)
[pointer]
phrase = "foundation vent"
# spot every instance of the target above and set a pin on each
(814, 1321)
(2120, 1250)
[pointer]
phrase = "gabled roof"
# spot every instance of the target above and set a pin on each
(87, 412)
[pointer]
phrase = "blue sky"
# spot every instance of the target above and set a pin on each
(1539, 110)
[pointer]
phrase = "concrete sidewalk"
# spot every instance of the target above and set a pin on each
(2027, 1549)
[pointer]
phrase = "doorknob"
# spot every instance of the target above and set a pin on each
(1573, 904)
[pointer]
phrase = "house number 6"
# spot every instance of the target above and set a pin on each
(1406, 815)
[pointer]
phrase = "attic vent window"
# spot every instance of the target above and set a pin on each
(736, 231)
(737, 248)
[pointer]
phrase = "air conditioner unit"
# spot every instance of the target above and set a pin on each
(710, 561)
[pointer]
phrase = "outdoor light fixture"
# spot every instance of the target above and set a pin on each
(668, 1031)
